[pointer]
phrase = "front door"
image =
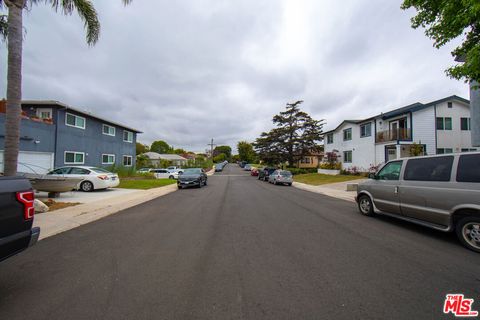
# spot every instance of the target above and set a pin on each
(385, 188)
(390, 153)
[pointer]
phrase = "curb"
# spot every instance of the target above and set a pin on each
(55, 222)
(350, 196)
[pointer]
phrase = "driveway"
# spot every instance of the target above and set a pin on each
(239, 249)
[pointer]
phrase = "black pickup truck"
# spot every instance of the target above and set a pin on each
(16, 216)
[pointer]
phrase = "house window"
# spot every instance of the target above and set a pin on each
(450, 105)
(444, 150)
(127, 136)
(347, 134)
(347, 156)
(469, 149)
(72, 157)
(306, 160)
(330, 138)
(127, 161)
(108, 130)
(74, 121)
(366, 130)
(444, 123)
(108, 158)
(44, 113)
(465, 124)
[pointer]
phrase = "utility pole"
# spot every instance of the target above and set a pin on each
(211, 144)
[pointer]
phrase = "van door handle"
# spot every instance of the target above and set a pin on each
(396, 190)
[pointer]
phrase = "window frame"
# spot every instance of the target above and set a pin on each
(108, 156)
(386, 166)
(104, 125)
(74, 157)
(345, 131)
(329, 138)
(469, 174)
(362, 126)
(128, 132)
(123, 160)
(75, 117)
(468, 124)
(40, 110)
(345, 157)
(451, 158)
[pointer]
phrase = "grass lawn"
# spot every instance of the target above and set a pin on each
(145, 184)
(316, 179)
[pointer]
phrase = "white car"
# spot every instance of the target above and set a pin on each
(164, 174)
(93, 178)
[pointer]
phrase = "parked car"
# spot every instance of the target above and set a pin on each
(247, 167)
(242, 164)
(441, 192)
(192, 177)
(265, 172)
(164, 174)
(281, 177)
(93, 178)
(219, 167)
(254, 172)
(16, 216)
(144, 170)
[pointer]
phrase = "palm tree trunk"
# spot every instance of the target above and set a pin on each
(14, 85)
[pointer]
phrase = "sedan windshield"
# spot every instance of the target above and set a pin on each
(192, 171)
(286, 174)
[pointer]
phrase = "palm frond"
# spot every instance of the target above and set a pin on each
(87, 13)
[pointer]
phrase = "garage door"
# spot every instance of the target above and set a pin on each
(32, 162)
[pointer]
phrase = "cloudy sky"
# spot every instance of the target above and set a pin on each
(188, 71)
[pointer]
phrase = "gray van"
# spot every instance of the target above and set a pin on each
(441, 192)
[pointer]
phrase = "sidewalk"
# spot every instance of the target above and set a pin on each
(336, 190)
(52, 223)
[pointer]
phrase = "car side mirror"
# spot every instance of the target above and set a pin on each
(372, 175)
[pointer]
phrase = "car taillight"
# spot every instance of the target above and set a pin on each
(27, 198)
(103, 177)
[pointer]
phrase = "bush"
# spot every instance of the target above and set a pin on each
(331, 165)
(296, 171)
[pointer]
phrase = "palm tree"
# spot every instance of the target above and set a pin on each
(11, 27)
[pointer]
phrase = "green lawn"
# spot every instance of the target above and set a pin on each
(145, 184)
(316, 179)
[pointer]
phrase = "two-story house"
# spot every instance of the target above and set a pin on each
(53, 134)
(441, 126)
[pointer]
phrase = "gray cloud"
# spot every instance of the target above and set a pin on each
(188, 71)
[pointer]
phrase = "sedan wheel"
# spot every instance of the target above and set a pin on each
(468, 231)
(86, 186)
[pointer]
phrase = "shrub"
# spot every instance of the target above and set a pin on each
(331, 166)
(296, 171)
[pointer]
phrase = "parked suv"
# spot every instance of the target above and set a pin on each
(441, 192)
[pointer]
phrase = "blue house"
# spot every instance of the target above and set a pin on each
(53, 134)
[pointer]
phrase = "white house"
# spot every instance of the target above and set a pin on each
(155, 158)
(441, 126)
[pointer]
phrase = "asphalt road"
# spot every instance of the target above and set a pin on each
(239, 249)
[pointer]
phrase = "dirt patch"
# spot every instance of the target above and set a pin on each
(54, 205)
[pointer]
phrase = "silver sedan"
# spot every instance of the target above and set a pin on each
(281, 177)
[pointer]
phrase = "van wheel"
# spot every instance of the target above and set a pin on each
(365, 205)
(171, 177)
(86, 186)
(468, 231)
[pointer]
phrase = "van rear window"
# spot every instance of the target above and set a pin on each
(469, 168)
(429, 169)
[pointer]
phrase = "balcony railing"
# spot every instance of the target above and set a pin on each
(394, 135)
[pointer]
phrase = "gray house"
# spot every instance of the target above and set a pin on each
(53, 134)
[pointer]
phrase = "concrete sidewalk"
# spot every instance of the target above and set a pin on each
(58, 221)
(336, 190)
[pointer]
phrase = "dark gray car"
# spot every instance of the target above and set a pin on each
(193, 177)
(440, 192)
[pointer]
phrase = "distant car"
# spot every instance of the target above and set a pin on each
(93, 178)
(164, 174)
(254, 172)
(192, 177)
(242, 164)
(173, 168)
(281, 177)
(144, 170)
(265, 172)
(219, 167)
(247, 167)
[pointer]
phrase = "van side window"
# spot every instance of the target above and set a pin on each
(469, 168)
(391, 171)
(429, 169)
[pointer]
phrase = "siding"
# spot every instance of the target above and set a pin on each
(455, 138)
(424, 128)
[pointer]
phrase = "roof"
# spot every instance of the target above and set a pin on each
(410, 108)
(162, 156)
(77, 110)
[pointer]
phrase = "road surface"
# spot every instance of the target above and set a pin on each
(239, 249)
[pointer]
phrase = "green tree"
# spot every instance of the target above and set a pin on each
(220, 157)
(141, 148)
(223, 149)
(446, 20)
(245, 151)
(296, 135)
(179, 151)
(11, 27)
(161, 146)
